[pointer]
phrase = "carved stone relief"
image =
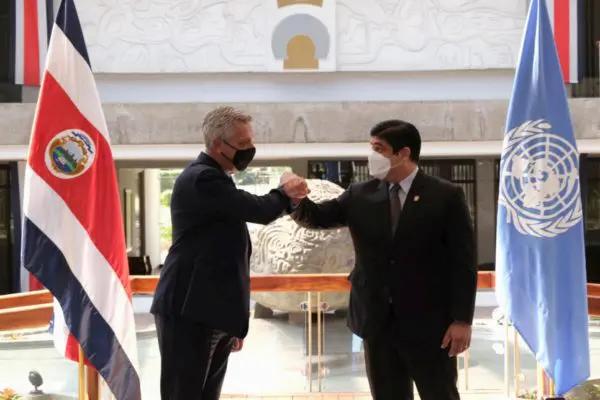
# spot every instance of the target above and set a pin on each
(170, 36)
(283, 247)
(404, 35)
(302, 35)
(174, 35)
(333, 122)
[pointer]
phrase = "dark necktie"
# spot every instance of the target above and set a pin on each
(395, 206)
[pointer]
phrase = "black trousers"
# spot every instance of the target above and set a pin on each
(193, 359)
(393, 366)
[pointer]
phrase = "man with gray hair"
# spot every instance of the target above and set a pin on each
(202, 301)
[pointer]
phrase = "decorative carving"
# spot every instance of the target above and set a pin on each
(159, 36)
(401, 35)
(283, 247)
(302, 39)
(174, 36)
(301, 54)
(285, 3)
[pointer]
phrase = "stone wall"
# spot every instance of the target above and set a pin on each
(179, 123)
(179, 36)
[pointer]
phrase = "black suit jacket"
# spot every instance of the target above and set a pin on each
(427, 270)
(206, 276)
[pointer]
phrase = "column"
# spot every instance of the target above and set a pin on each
(299, 166)
(21, 165)
(151, 199)
(486, 211)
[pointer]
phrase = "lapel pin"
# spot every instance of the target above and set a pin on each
(416, 198)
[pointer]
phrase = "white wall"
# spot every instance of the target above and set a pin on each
(157, 36)
(156, 51)
(151, 199)
(129, 179)
(322, 87)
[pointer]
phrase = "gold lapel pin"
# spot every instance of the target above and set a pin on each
(416, 198)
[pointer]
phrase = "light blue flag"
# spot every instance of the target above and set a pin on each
(540, 253)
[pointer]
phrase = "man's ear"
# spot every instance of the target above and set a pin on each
(405, 151)
(217, 145)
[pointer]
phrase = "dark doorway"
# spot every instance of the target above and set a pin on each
(5, 42)
(9, 92)
(589, 31)
(590, 190)
(6, 259)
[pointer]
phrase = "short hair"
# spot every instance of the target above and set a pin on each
(399, 134)
(220, 123)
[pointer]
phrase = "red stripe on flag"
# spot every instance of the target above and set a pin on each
(31, 43)
(92, 197)
(562, 35)
(72, 348)
(34, 284)
(72, 351)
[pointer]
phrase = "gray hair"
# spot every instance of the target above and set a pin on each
(220, 123)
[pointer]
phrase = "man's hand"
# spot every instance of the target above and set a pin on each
(294, 186)
(237, 345)
(458, 337)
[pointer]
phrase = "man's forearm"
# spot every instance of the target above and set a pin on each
(311, 215)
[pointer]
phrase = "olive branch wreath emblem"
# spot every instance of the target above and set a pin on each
(526, 225)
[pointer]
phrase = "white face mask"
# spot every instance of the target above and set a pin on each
(379, 166)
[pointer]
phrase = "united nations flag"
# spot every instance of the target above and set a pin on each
(540, 254)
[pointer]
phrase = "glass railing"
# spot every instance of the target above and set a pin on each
(298, 344)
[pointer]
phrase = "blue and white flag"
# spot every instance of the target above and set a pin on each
(540, 253)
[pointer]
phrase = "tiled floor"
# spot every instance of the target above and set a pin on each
(274, 362)
(351, 396)
(303, 397)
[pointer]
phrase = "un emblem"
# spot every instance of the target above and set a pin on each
(70, 153)
(539, 181)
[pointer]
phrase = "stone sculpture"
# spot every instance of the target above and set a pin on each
(283, 247)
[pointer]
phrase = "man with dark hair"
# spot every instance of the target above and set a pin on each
(415, 279)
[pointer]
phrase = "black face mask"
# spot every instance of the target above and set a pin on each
(242, 157)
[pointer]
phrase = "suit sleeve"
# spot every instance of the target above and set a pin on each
(460, 239)
(220, 197)
(330, 214)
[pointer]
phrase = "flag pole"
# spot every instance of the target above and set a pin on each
(93, 386)
(551, 389)
(81, 365)
(516, 362)
(541, 376)
(506, 357)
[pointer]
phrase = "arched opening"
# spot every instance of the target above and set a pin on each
(301, 54)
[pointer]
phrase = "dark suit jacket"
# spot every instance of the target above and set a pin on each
(206, 276)
(427, 270)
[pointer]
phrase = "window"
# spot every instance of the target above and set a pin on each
(460, 172)
(591, 200)
(5, 42)
(590, 191)
(6, 266)
(256, 180)
(589, 86)
(341, 172)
